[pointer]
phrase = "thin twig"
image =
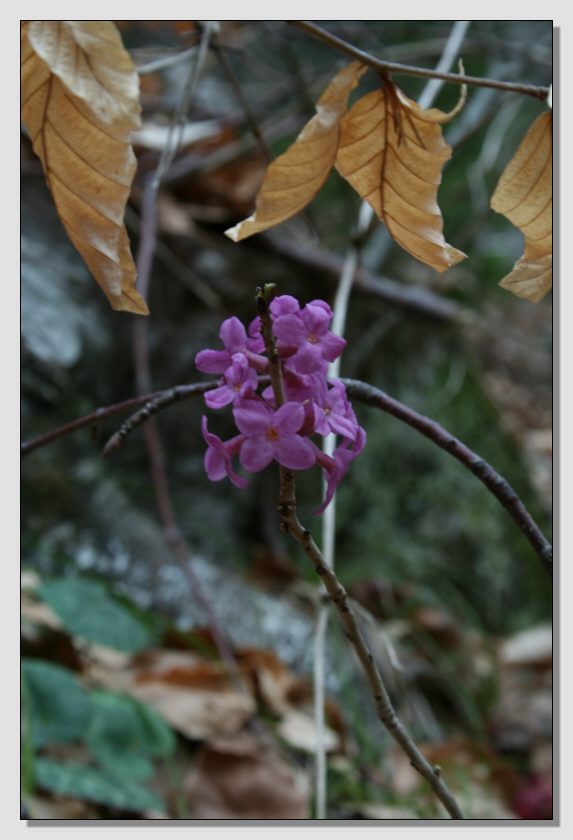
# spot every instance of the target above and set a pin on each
(158, 64)
(161, 400)
(176, 266)
(361, 391)
(243, 101)
(89, 420)
(392, 67)
(495, 483)
(416, 298)
(172, 144)
(146, 252)
(339, 597)
(447, 58)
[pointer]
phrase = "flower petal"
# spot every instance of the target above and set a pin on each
(315, 319)
(215, 464)
(289, 418)
(290, 330)
(256, 453)
(237, 480)
(213, 361)
(233, 334)
(342, 426)
(252, 416)
(220, 397)
(295, 452)
(308, 360)
(284, 305)
(323, 305)
(332, 346)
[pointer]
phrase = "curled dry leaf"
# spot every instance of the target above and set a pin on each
(392, 152)
(80, 103)
(524, 196)
(295, 177)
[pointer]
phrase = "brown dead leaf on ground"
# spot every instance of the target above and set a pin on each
(392, 152)
(524, 196)
(295, 177)
(198, 698)
(80, 103)
(243, 778)
(290, 697)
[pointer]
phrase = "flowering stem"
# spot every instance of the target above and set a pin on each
(290, 524)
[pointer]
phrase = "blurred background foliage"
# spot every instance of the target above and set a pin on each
(420, 543)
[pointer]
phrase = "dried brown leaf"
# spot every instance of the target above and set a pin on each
(196, 697)
(80, 102)
(392, 152)
(524, 196)
(295, 177)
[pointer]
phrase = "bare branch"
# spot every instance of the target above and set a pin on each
(417, 298)
(391, 67)
(495, 483)
(361, 391)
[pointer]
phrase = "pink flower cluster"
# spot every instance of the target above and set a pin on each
(314, 404)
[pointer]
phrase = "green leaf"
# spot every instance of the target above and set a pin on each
(88, 610)
(83, 782)
(58, 708)
(124, 734)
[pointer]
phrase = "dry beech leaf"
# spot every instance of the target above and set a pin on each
(80, 103)
(392, 152)
(196, 697)
(524, 196)
(295, 177)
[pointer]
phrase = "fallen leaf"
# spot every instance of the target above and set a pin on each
(243, 778)
(80, 103)
(392, 152)
(298, 729)
(198, 698)
(295, 177)
(529, 648)
(271, 679)
(524, 196)
(291, 698)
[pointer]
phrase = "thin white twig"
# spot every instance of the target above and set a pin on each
(210, 28)
(449, 54)
(167, 61)
(329, 516)
(340, 308)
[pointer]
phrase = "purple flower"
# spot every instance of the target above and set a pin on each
(332, 411)
(305, 336)
(335, 468)
(238, 380)
(218, 456)
(235, 339)
(284, 304)
(273, 434)
(314, 405)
